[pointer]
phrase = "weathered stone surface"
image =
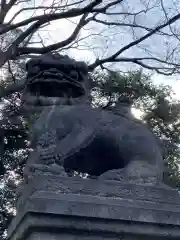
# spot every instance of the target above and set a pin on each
(70, 208)
(52, 184)
(56, 236)
(127, 201)
(67, 132)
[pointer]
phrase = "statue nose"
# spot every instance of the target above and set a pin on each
(56, 72)
(53, 70)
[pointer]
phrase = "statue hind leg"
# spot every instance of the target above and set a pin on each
(145, 168)
(136, 172)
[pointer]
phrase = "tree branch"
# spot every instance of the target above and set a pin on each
(139, 61)
(114, 56)
(166, 16)
(74, 12)
(105, 8)
(127, 25)
(42, 8)
(147, 58)
(5, 7)
(58, 45)
(11, 52)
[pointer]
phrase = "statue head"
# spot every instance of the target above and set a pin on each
(56, 79)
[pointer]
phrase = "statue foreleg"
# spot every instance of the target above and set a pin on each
(52, 158)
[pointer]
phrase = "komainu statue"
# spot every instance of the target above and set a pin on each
(68, 134)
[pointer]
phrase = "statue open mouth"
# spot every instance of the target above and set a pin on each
(53, 79)
(54, 84)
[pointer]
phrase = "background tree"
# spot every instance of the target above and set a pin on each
(14, 152)
(13, 143)
(159, 109)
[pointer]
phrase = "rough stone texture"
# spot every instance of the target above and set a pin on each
(69, 133)
(49, 236)
(71, 208)
(127, 200)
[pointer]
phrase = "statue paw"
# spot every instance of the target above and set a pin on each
(140, 172)
(52, 169)
(137, 172)
(115, 174)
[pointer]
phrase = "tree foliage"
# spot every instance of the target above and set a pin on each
(14, 152)
(162, 117)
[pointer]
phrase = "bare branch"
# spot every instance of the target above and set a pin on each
(126, 25)
(74, 12)
(124, 13)
(42, 8)
(105, 8)
(58, 45)
(165, 13)
(3, 3)
(153, 31)
(5, 7)
(93, 12)
(169, 70)
(150, 58)
(11, 51)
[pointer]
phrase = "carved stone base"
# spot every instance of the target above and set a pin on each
(53, 207)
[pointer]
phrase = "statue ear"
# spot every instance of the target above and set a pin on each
(29, 63)
(32, 62)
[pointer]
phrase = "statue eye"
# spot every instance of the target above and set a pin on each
(34, 69)
(74, 74)
(32, 62)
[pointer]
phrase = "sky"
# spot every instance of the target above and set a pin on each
(107, 44)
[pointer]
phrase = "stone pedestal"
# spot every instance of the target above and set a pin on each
(55, 208)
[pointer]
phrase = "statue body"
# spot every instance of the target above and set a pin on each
(71, 135)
